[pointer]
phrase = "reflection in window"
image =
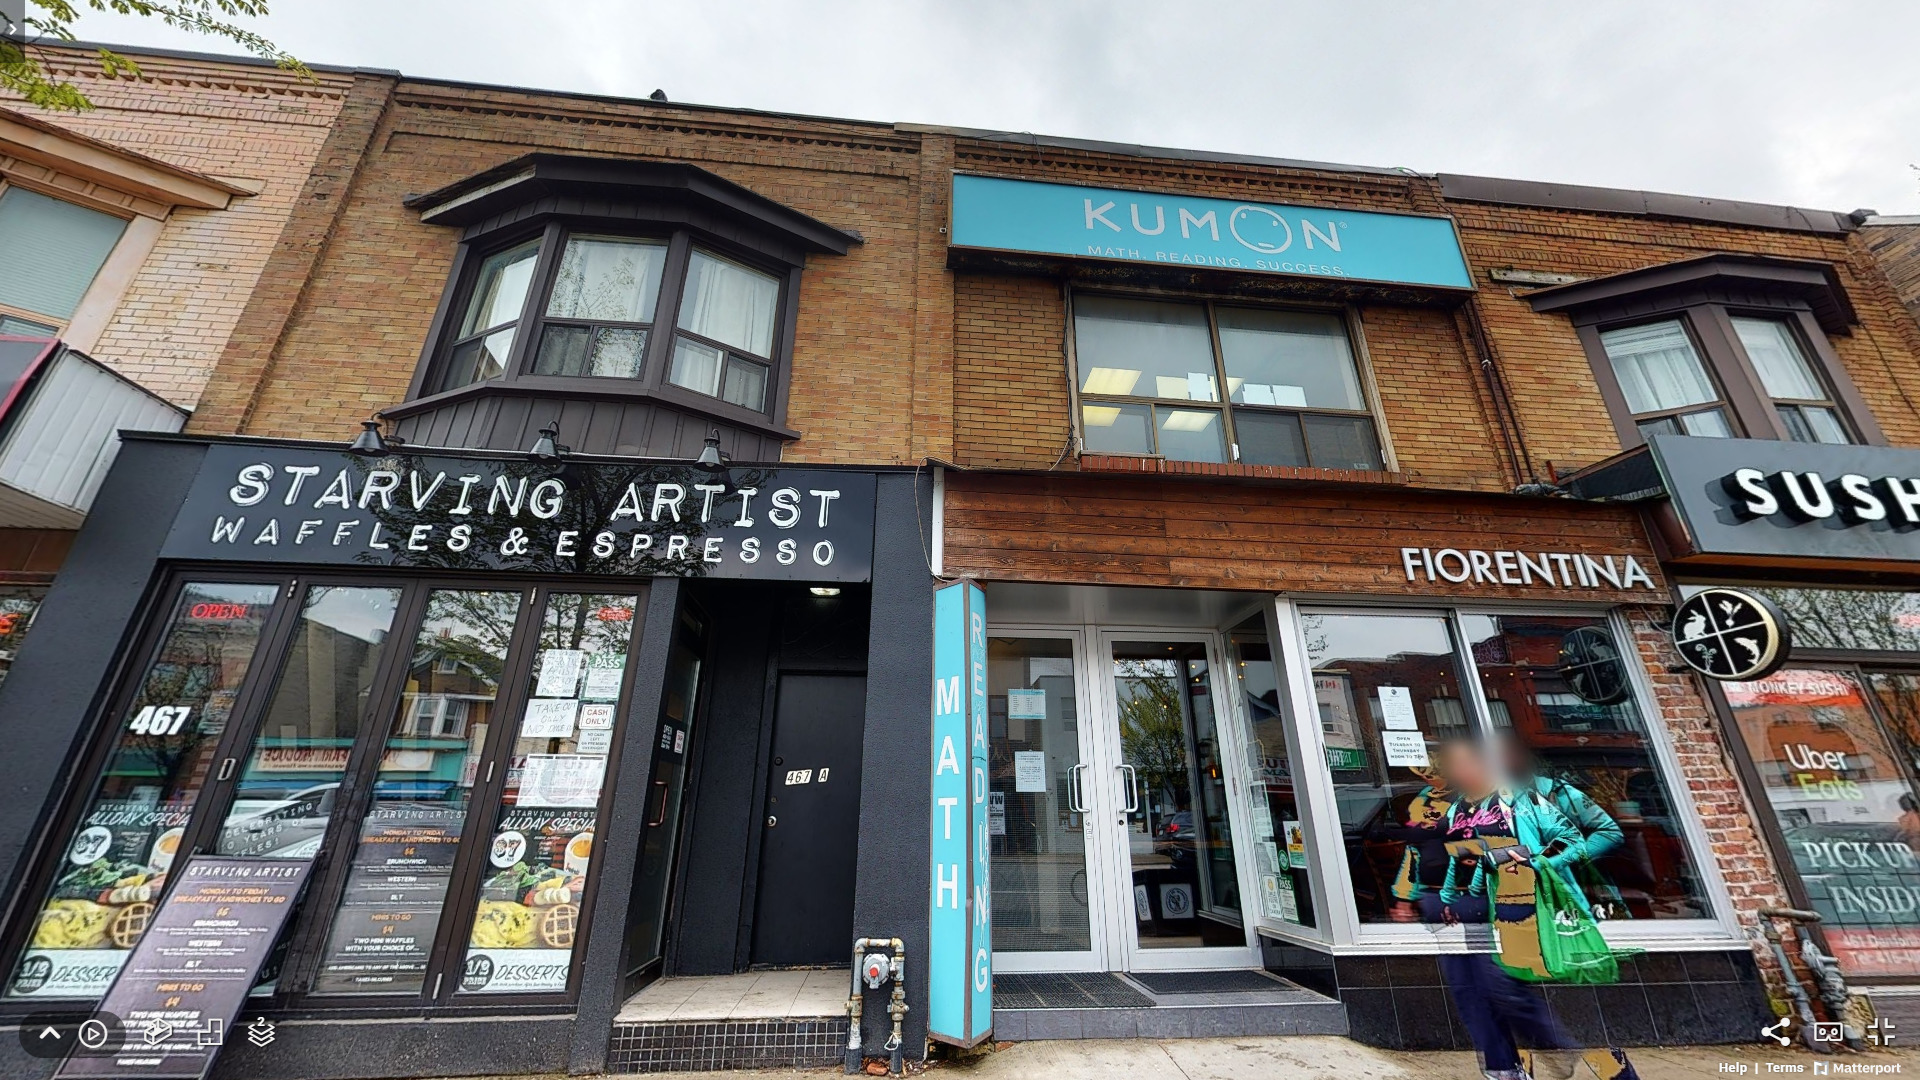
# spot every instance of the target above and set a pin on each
(1279, 841)
(288, 784)
(18, 605)
(1376, 678)
(1576, 737)
(601, 305)
(727, 317)
(1666, 386)
(1847, 812)
(527, 917)
(114, 866)
(1039, 863)
(493, 313)
(384, 928)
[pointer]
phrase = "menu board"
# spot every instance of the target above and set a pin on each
(103, 899)
(529, 912)
(390, 910)
(189, 976)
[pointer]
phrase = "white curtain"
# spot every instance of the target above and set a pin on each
(608, 280)
(731, 304)
(1657, 367)
(1776, 355)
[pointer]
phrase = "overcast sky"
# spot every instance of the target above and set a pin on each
(1812, 104)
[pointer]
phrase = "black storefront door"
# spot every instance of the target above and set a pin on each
(804, 907)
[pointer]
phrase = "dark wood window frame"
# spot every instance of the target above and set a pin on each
(1705, 295)
(1356, 352)
(661, 332)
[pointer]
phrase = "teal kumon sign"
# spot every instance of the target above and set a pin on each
(998, 214)
(960, 953)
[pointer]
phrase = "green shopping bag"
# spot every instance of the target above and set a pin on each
(1565, 945)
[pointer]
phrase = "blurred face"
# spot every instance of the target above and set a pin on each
(1465, 768)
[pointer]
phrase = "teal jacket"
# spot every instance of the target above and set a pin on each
(1602, 832)
(1537, 825)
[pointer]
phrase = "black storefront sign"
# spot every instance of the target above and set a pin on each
(278, 504)
(1754, 498)
(181, 990)
(1731, 635)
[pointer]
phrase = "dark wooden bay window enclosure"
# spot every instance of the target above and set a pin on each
(637, 304)
(1724, 346)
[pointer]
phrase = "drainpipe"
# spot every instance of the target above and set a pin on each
(1511, 437)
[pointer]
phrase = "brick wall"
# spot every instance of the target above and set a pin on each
(232, 121)
(1896, 248)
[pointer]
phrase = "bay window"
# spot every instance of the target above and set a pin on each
(53, 251)
(1150, 375)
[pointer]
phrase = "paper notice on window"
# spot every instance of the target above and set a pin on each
(549, 718)
(1029, 770)
(1396, 709)
(996, 813)
(1262, 822)
(1026, 704)
(594, 742)
(603, 676)
(561, 780)
(1407, 748)
(596, 718)
(1277, 900)
(1296, 841)
(559, 672)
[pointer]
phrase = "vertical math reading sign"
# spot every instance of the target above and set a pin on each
(960, 967)
(181, 990)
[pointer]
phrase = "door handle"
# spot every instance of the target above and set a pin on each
(1133, 790)
(1076, 796)
(662, 814)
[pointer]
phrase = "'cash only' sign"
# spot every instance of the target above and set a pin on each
(283, 504)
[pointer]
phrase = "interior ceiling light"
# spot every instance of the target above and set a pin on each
(1105, 380)
(1187, 420)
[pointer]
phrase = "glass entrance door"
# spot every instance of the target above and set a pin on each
(1177, 805)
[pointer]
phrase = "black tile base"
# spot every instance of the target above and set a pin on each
(697, 1046)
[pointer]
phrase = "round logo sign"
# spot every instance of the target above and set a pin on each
(508, 848)
(1590, 664)
(1731, 634)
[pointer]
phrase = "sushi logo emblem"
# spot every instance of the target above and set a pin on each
(1731, 634)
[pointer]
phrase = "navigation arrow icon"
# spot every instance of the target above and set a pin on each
(49, 1033)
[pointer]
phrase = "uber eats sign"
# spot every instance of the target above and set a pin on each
(960, 961)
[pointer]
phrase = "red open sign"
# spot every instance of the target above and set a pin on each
(614, 614)
(223, 612)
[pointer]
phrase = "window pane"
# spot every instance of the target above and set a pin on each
(500, 288)
(1707, 424)
(563, 350)
(618, 353)
(52, 250)
(1867, 619)
(1269, 438)
(607, 280)
(1834, 785)
(114, 866)
(389, 914)
(1039, 867)
(730, 304)
(479, 359)
(1578, 739)
(285, 794)
(1192, 435)
(1824, 424)
(1288, 358)
(1143, 348)
(13, 324)
(1390, 815)
(1783, 368)
(1117, 429)
(1341, 442)
(1657, 367)
(746, 383)
(527, 917)
(696, 366)
(18, 605)
(1286, 886)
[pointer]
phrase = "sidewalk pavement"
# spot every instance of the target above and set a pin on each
(1304, 1057)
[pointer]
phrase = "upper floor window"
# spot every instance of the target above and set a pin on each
(1151, 374)
(601, 307)
(488, 330)
(725, 345)
(53, 250)
(1722, 346)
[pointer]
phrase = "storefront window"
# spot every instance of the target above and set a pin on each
(1845, 810)
(384, 930)
(1375, 678)
(287, 789)
(527, 917)
(1854, 619)
(17, 607)
(1574, 735)
(1037, 800)
(1279, 842)
(104, 891)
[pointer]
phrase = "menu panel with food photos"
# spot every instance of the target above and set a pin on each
(529, 912)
